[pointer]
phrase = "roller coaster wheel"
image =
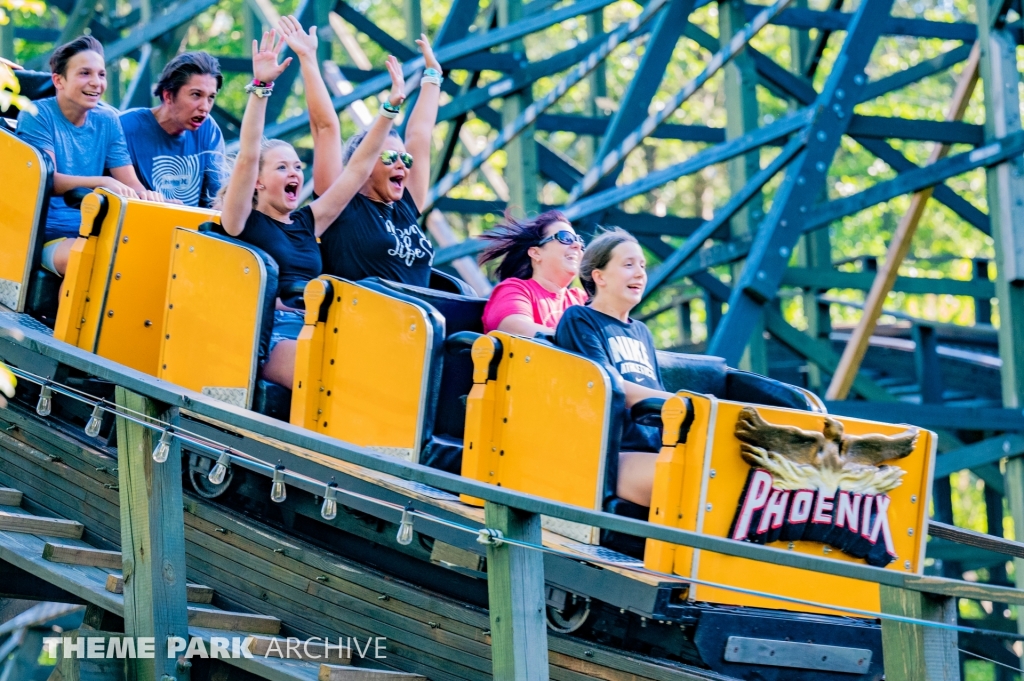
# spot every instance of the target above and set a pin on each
(198, 470)
(571, 618)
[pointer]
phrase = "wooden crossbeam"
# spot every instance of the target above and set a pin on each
(195, 593)
(10, 497)
(81, 555)
(31, 524)
(857, 347)
(233, 621)
(275, 646)
(980, 540)
(330, 672)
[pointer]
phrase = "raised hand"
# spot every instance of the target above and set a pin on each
(427, 51)
(302, 44)
(397, 94)
(264, 58)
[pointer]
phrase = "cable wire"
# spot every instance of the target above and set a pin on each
(218, 448)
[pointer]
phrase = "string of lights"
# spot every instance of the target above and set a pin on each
(281, 478)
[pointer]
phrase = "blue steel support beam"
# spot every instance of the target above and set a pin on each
(666, 30)
(804, 180)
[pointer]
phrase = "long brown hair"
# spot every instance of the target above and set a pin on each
(599, 254)
(512, 241)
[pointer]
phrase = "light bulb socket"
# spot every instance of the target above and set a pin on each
(45, 404)
(163, 448)
(278, 490)
(92, 428)
(405, 528)
(220, 469)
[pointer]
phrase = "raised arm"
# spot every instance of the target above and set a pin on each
(419, 130)
(238, 196)
(357, 171)
(323, 120)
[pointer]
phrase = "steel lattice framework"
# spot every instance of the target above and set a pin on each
(769, 251)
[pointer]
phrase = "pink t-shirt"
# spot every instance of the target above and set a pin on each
(527, 297)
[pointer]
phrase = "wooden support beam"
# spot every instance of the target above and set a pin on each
(10, 497)
(210, 618)
(48, 527)
(899, 247)
(152, 538)
(299, 649)
(980, 540)
(81, 555)
(914, 652)
(330, 672)
(515, 595)
(194, 593)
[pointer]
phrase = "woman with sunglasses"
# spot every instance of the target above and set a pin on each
(539, 259)
(260, 202)
(378, 233)
(614, 272)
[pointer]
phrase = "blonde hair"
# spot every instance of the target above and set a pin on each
(265, 146)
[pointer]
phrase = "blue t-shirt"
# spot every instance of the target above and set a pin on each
(85, 151)
(188, 167)
(625, 348)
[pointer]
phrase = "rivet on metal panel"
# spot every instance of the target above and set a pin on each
(247, 270)
(712, 473)
(708, 507)
(791, 546)
(125, 239)
(491, 473)
(590, 384)
(412, 328)
(191, 249)
(110, 313)
(910, 531)
(913, 499)
(527, 358)
(906, 564)
(148, 323)
(117, 276)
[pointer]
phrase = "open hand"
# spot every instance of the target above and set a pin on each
(397, 95)
(119, 188)
(302, 44)
(427, 51)
(149, 195)
(264, 58)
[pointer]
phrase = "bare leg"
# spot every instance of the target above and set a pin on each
(61, 255)
(280, 368)
(636, 477)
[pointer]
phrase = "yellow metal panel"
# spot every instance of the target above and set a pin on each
(213, 317)
(724, 478)
(373, 370)
(548, 424)
(100, 273)
(23, 178)
(74, 290)
(309, 357)
(131, 327)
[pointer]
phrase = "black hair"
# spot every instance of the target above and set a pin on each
(355, 140)
(63, 54)
(599, 254)
(512, 242)
(180, 69)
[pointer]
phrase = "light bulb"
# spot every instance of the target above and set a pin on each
(405, 532)
(92, 428)
(278, 492)
(45, 403)
(220, 470)
(163, 448)
(329, 509)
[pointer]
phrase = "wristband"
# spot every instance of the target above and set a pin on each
(432, 73)
(391, 108)
(262, 90)
(386, 113)
(260, 83)
(436, 80)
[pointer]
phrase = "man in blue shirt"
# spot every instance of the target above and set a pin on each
(177, 148)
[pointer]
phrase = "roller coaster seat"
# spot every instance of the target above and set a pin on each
(116, 281)
(463, 314)
(367, 365)
(27, 178)
(219, 313)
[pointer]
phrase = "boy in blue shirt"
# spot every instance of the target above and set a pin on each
(83, 138)
(177, 148)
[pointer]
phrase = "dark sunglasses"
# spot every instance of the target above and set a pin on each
(390, 156)
(563, 236)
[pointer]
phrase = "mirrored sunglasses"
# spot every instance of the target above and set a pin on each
(390, 156)
(563, 236)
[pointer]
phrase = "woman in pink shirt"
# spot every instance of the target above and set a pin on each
(539, 259)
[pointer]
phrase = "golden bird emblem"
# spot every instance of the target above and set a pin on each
(829, 460)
